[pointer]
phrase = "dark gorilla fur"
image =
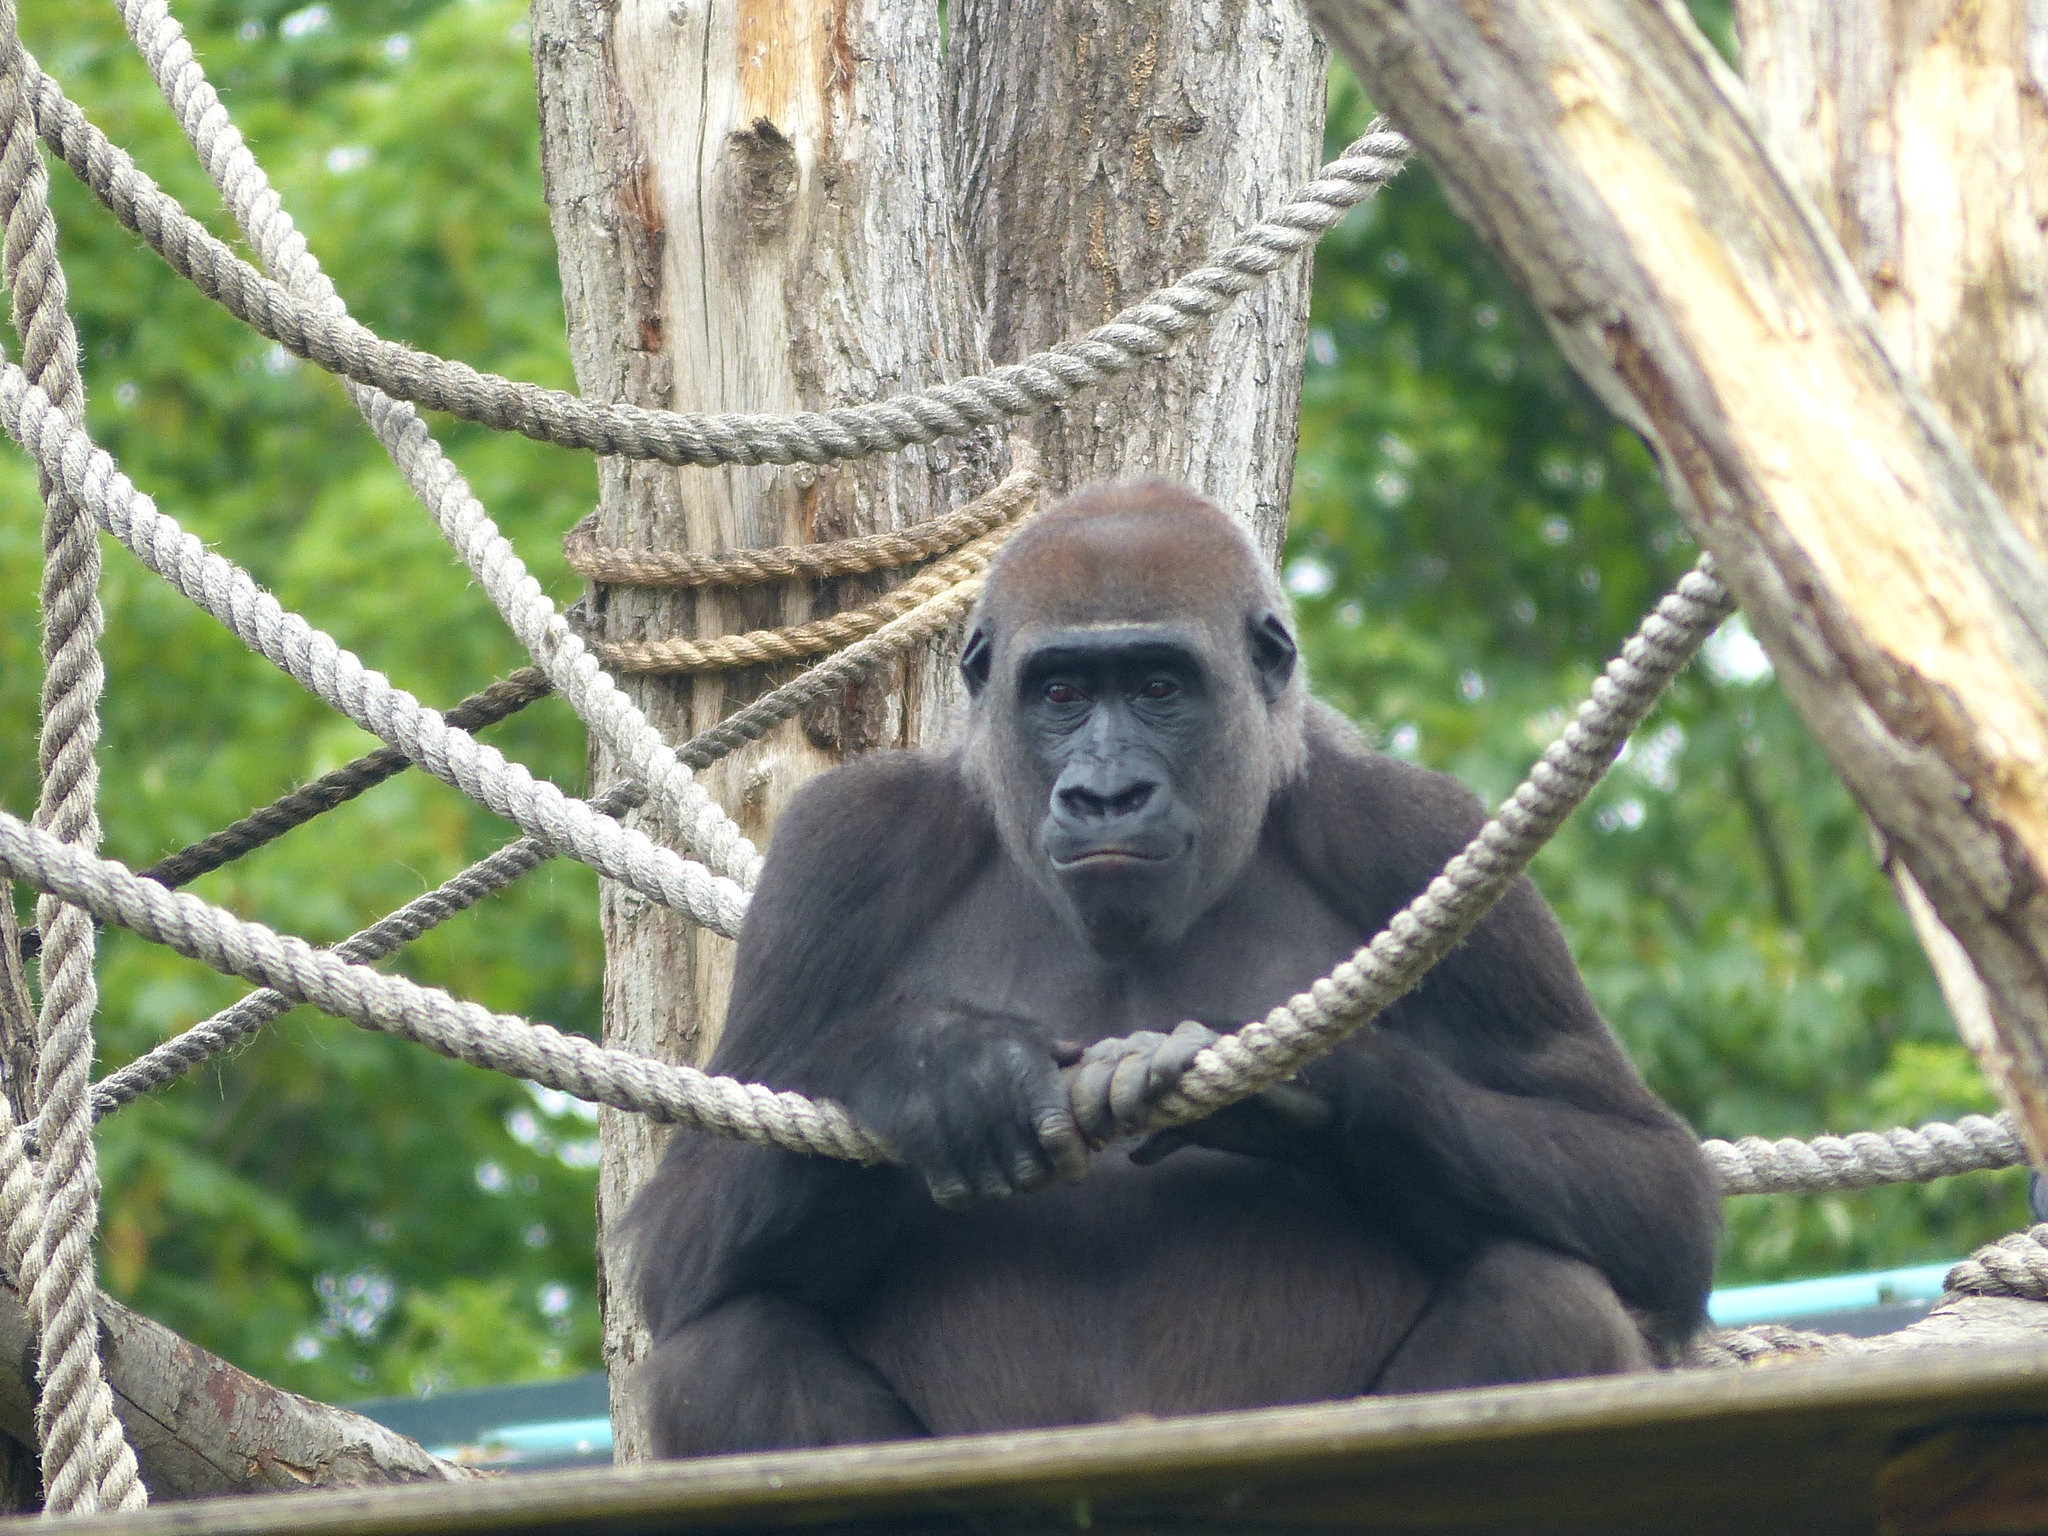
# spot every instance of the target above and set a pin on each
(1146, 821)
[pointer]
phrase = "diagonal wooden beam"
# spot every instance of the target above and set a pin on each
(1610, 158)
(200, 1426)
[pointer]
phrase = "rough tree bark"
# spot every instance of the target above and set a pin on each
(755, 212)
(1919, 129)
(1611, 159)
(750, 198)
(1104, 146)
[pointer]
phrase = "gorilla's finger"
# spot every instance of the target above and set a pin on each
(1171, 1061)
(991, 1183)
(1064, 1144)
(1088, 1094)
(949, 1190)
(1031, 1170)
(1130, 1097)
(1066, 1052)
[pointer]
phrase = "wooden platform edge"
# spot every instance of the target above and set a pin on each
(1691, 1451)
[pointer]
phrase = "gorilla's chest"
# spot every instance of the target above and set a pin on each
(1003, 949)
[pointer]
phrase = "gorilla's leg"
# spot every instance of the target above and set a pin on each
(1516, 1312)
(762, 1374)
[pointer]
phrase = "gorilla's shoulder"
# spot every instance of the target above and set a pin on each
(860, 860)
(887, 808)
(1371, 825)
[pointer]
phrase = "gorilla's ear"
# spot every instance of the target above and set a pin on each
(1273, 654)
(975, 658)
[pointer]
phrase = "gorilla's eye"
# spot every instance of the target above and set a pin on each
(1062, 693)
(1160, 688)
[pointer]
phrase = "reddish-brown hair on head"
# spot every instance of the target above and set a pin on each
(1132, 551)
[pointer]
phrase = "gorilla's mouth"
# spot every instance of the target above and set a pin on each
(1108, 858)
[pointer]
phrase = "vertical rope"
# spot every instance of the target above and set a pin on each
(87, 1463)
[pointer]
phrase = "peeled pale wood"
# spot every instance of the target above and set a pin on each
(1919, 130)
(201, 1427)
(1611, 159)
(753, 214)
(1104, 146)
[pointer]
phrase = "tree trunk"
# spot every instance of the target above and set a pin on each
(1608, 155)
(1919, 130)
(752, 208)
(1104, 147)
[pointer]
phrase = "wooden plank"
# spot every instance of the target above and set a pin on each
(1979, 1479)
(1777, 1448)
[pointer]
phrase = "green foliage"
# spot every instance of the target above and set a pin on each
(347, 1214)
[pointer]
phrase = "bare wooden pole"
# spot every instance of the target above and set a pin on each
(1919, 129)
(1612, 160)
(1105, 145)
(753, 212)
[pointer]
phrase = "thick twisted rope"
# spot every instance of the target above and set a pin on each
(2015, 1265)
(616, 722)
(1862, 1159)
(897, 638)
(785, 562)
(166, 1063)
(340, 345)
(267, 824)
(338, 676)
(1716, 1348)
(87, 1462)
(793, 642)
(461, 1030)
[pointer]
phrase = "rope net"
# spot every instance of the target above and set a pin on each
(48, 1185)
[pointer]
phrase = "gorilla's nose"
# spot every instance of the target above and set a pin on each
(1099, 802)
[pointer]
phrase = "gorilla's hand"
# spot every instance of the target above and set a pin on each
(1120, 1082)
(978, 1107)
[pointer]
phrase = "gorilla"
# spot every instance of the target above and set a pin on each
(1000, 953)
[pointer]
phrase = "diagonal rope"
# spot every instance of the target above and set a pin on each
(395, 1005)
(166, 1063)
(1271, 1049)
(294, 809)
(87, 1462)
(337, 676)
(706, 830)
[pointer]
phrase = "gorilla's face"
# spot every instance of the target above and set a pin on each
(1134, 764)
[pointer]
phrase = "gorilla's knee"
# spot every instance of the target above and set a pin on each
(1517, 1312)
(758, 1374)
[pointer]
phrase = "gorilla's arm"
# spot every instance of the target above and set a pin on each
(861, 860)
(1494, 1101)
